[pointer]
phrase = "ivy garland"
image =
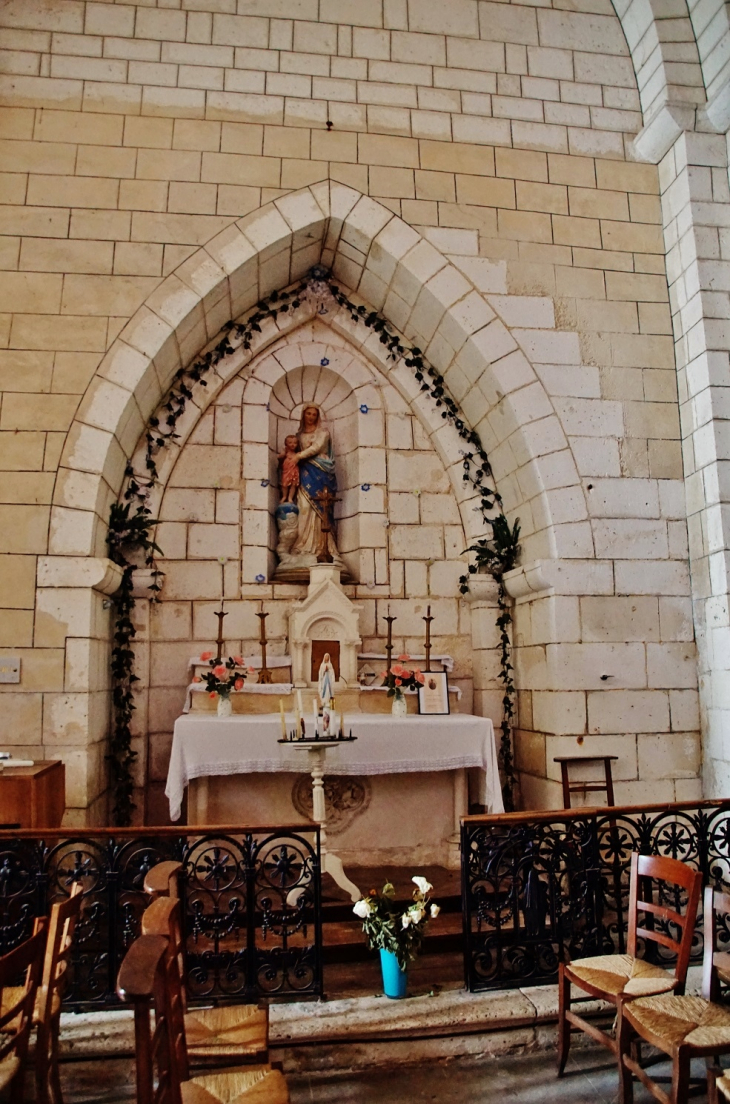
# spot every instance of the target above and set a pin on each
(131, 522)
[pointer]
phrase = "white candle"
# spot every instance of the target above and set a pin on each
(283, 721)
(314, 712)
(300, 707)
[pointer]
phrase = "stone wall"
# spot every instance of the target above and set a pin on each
(134, 134)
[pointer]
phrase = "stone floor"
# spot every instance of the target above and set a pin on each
(520, 1079)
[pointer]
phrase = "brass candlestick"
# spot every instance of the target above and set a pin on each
(389, 645)
(428, 619)
(264, 673)
(219, 643)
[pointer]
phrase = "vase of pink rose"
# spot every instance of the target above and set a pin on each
(398, 679)
(224, 677)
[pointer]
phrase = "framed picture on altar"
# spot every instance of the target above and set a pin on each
(433, 696)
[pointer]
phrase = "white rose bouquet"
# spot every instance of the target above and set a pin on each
(390, 928)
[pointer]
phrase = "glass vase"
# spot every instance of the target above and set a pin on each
(399, 708)
(225, 706)
(395, 980)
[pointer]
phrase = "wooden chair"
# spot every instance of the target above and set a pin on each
(567, 761)
(16, 1018)
(163, 880)
(681, 1027)
(618, 978)
(237, 1032)
(47, 1009)
(146, 980)
(61, 927)
(234, 1032)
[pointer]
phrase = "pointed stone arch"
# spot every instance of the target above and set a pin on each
(491, 367)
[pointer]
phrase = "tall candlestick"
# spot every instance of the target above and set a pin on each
(222, 562)
(219, 642)
(428, 619)
(264, 673)
(389, 644)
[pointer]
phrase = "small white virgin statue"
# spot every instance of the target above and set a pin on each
(326, 680)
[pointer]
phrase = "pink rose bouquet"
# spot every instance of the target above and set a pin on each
(400, 678)
(224, 675)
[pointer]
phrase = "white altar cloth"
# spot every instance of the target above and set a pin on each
(205, 746)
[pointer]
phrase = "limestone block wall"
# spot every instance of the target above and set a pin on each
(132, 134)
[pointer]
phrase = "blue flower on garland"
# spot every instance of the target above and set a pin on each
(324, 362)
(260, 578)
(264, 482)
(365, 487)
(364, 408)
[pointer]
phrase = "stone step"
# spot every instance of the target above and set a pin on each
(371, 1031)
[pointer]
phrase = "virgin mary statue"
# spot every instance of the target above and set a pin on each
(300, 522)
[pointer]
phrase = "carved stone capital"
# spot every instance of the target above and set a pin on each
(529, 581)
(87, 572)
(482, 590)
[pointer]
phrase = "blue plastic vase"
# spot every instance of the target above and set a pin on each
(395, 980)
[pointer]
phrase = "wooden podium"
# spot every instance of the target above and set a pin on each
(33, 797)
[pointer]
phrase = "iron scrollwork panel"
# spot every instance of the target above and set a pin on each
(252, 916)
(529, 889)
(251, 908)
(533, 890)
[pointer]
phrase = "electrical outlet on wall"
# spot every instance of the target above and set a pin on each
(9, 668)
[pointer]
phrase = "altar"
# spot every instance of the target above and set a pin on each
(237, 773)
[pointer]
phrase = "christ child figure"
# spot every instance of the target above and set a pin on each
(289, 468)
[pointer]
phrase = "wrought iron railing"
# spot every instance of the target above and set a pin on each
(538, 885)
(251, 905)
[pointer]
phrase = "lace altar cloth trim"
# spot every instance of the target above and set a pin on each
(205, 746)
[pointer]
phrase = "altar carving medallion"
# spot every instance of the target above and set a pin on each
(345, 798)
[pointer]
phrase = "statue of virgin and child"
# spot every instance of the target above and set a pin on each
(308, 487)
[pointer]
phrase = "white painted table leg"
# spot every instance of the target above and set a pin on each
(331, 864)
(461, 799)
(461, 808)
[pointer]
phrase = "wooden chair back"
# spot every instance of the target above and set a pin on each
(644, 869)
(16, 1018)
(61, 927)
(142, 981)
(163, 918)
(163, 880)
(715, 964)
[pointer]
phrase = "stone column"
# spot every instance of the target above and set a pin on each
(488, 691)
(696, 211)
(73, 612)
